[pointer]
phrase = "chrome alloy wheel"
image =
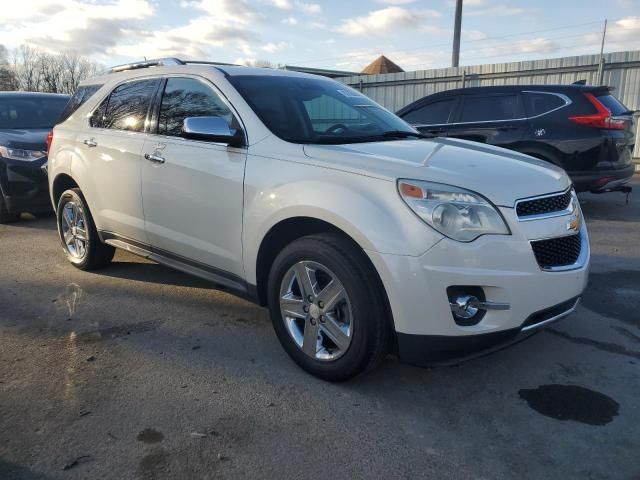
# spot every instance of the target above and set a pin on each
(74, 230)
(316, 310)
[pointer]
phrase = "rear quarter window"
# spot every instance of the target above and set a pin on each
(615, 106)
(82, 94)
(538, 103)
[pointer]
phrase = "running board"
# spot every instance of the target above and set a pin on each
(219, 277)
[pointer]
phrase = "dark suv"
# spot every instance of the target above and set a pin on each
(26, 118)
(583, 129)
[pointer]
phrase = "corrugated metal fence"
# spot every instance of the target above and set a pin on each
(395, 90)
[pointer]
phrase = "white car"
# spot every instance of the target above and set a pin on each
(305, 196)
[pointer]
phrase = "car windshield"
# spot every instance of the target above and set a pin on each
(316, 111)
(30, 113)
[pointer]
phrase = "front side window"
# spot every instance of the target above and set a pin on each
(188, 97)
(490, 108)
(26, 112)
(434, 113)
(127, 106)
(313, 110)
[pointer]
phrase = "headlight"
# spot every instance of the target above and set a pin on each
(20, 154)
(455, 212)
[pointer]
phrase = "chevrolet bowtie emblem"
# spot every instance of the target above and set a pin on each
(575, 222)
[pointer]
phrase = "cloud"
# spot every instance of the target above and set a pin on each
(386, 20)
(234, 11)
(488, 8)
(74, 25)
(275, 47)
(306, 8)
(290, 21)
(396, 2)
(623, 34)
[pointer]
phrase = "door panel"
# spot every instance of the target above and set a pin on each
(112, 147)
(193, 190)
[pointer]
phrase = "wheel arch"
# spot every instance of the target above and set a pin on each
(60, 184)
(290, 229)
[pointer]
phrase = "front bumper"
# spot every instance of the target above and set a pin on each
(24, 186)
(503, 266)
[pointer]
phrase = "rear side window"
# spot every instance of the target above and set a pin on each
(537, 103)
(187, 97)
(126, 107)
(431, 114)
(614, 105)
(491, 108)
(82, 94)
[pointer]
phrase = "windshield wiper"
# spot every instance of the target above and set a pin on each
(402, 134)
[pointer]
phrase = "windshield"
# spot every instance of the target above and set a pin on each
(309, 110)
(30, 113)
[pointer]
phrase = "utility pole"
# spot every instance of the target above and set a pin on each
(601, 62)
(457, 27)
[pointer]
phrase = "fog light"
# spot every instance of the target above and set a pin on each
(465, 306)
(468, 309)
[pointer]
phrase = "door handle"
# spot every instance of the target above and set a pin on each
(152, 157)
(90, 142)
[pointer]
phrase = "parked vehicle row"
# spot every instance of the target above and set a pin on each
(303, 195)
(584, 129)
(25, 121)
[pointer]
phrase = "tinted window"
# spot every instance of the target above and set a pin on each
(30, 112)
(430, 114)
(325, 111)
(82, 94)
(126, 108)
(187, 97)
(614, 105)
(316, 110)
(498, 107)
(539, 103)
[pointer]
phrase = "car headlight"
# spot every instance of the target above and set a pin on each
(21, 154)
(455, 212)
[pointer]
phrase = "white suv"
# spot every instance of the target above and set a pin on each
(303, 195)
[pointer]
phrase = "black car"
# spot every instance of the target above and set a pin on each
(26, 118)
(583, 129)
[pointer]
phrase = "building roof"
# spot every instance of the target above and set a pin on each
(382, 65)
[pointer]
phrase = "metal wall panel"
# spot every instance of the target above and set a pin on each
(395, 90)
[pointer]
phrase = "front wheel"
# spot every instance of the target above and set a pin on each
(78, 233)
(327, 307)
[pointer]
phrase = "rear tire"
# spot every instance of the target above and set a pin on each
(332, 323)
(78, 233)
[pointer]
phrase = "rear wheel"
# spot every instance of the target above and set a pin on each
(78, 233)
(327, 308)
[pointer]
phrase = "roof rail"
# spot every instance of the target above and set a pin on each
(161, 62)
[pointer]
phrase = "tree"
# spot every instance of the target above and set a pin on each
(37, 71)
(7, 77)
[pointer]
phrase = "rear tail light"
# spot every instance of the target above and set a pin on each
(49, 140)
(602, 119)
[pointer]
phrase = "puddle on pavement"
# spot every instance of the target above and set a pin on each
(149, 435)
(612, 294)
(571, 402)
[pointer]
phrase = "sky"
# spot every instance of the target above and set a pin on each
(336, 34)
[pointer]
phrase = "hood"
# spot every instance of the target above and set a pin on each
(26, 139)
(503, 176)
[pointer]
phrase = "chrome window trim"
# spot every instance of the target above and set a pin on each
(552, 319)
(565, 98)
(541, 216)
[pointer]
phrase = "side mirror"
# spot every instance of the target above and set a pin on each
(211, 129)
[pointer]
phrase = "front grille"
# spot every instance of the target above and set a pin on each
(557, 252)
(540, 206)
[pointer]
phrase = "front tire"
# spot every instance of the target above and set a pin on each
(327, 307)
(78, 233)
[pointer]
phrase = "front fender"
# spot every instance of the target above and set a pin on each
(367, 209)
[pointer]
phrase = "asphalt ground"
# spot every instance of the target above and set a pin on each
(137, 372)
